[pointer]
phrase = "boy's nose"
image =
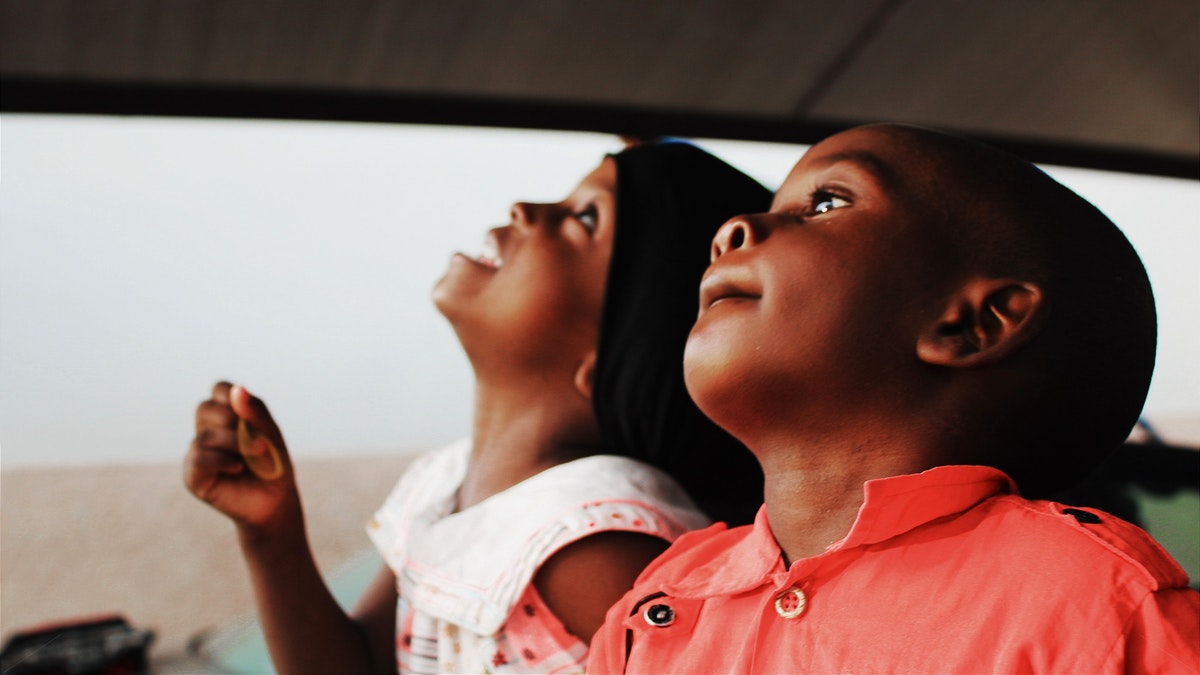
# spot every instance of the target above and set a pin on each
(735, 233)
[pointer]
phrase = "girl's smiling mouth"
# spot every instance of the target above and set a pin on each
(489, 254)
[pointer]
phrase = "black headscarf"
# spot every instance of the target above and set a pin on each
(671, 198)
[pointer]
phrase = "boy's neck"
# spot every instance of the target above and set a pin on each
(518, 433)
(813, 494)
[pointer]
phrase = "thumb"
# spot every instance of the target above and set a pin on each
(259, 439)
(251, 409)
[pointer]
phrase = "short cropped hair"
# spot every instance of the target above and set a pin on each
(1016, 220)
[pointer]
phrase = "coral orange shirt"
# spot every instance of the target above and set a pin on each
(947, 571)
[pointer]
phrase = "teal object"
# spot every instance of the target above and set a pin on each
(242, 650)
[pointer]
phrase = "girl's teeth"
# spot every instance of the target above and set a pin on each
(490, 255)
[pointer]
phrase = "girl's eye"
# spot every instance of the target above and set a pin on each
(823, 202)
(588, 218)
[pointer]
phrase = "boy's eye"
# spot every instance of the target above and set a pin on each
(588, 217)
(823, 202)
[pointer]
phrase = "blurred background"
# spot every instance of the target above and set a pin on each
(266, 192)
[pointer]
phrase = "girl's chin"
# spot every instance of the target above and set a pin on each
(457, 300)
(445, 299)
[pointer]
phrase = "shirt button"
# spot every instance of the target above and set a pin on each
(1083, 516)
(791, 603)
(659, 615)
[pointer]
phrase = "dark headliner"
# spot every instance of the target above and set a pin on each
(1109, 85)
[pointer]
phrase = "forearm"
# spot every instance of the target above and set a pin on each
(307, 631)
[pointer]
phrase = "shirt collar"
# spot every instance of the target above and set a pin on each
(895, 505)
(891, 506)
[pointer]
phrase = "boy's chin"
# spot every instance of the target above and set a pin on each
(709, 380)
(730, 384)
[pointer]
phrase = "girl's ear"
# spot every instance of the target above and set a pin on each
(584, 374)
(984, 322)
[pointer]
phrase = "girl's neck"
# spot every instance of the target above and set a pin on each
(520, 432)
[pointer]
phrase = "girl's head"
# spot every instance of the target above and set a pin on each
(585, 305)
(671, 199)
(530, 302)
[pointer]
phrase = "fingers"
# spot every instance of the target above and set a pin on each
(231, 402)
(255, 412)
(261, 455)
(237, 462)
(242, 402)
(217, 438)
(252, 410)
(226, 442)
(204, 463)
(211, 456)
(212, 414)
(220, 392)
(259, 438)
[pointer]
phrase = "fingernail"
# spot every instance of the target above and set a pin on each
(239, 396)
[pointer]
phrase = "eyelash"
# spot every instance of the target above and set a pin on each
(822, 196)
(819, 202)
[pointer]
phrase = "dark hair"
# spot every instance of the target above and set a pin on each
(671, 198)
(1099, 344)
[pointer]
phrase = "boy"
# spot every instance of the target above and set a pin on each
(918, 319)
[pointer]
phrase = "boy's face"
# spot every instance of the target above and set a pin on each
(816, 304)
(537, 289)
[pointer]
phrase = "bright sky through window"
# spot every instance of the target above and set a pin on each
(142, 259)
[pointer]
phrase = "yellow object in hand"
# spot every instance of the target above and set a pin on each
(259, 453)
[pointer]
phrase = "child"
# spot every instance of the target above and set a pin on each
(918, 321)
(504, 552)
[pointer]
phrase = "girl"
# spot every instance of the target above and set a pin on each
(503, 552)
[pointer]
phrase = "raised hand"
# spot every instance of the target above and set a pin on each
(238, 462)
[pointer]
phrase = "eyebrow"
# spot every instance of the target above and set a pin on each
(877, 168)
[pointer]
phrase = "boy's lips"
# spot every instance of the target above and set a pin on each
(728, 284)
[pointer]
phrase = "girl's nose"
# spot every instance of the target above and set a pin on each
(734, 234)
(534, 215)
(521, 214)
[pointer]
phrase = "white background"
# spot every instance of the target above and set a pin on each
(142, 259)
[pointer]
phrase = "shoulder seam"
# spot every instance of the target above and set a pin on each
(1154, 580)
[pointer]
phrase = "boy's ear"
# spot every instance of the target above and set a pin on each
(584, 374)
(984, 322)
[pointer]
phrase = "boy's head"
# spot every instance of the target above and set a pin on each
(912, 287)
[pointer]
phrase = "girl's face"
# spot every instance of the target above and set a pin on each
(534, 295)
